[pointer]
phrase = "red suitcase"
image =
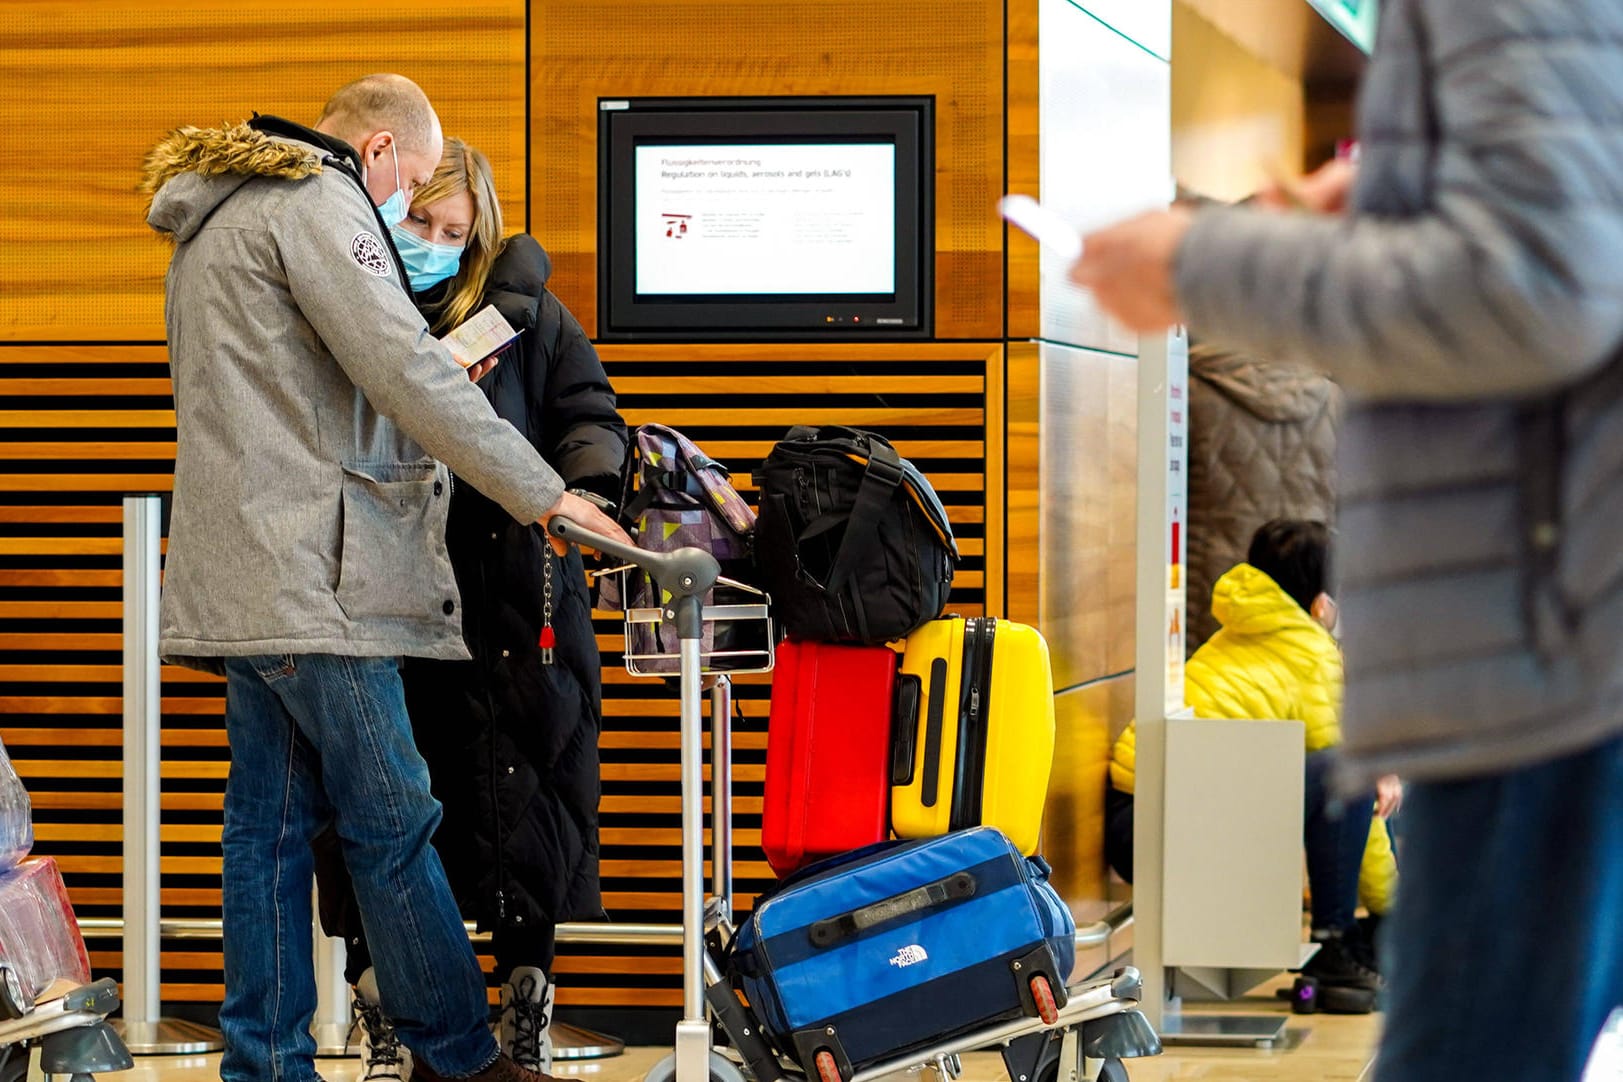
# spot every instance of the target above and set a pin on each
(828, 769)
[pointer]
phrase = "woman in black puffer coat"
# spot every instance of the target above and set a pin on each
(510, 737)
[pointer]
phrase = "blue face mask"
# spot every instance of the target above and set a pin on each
(393, 210)
(427, 264)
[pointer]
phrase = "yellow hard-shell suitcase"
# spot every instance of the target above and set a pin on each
(974, 730)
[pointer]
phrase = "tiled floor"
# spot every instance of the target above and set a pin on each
(1321, 1048)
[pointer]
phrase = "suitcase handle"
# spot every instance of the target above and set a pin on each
(835, 930)
(905, 727)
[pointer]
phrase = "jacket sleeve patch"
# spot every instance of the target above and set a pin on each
(367, 250)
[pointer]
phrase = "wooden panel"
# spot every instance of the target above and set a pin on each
(60, 606)
(588, 49)
(80, 424)
(995, 483)
(1023, 316)
(81, 263)
(1292, 37)
(1023, 482)
(1236, 118)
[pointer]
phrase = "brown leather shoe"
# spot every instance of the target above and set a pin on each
(502, 1070)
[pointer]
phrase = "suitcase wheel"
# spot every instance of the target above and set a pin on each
(722, 1069)
(1047, 1007)
(828, 1069)
(1112, 1071)
(1304, 996)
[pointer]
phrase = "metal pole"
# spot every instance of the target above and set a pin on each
(1163, 366)
(141, 753)
(693, 1031)
(142, 1029)
(331, 1023)
(721, 795)
(692, 836)
(620, 935)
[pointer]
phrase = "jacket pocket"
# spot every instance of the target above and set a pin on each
(394, 562)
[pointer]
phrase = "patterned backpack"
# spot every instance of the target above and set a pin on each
(673, 495)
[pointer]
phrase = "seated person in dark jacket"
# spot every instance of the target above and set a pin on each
(510, 737)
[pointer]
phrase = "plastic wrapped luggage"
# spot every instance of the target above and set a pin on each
(980, 746)
(16, 817)
(39, 937)
(828, 752)
(888, 950)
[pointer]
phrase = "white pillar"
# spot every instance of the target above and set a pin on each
(1163, 397)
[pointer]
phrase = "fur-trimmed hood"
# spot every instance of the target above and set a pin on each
(193, 170)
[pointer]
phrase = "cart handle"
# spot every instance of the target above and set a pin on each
(683, 572)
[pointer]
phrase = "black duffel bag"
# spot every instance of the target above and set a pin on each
(851, 541)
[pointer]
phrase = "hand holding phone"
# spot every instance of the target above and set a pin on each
(1049, 229)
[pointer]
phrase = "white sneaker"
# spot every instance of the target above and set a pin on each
(526, 1028)
(383, 1057)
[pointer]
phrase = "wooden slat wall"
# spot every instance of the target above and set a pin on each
(60, 610)
(84, 399)
(82, 423)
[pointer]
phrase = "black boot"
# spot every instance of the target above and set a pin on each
(1363, 941)
(1337, 964)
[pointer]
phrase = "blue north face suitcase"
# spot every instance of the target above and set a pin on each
(898, 946)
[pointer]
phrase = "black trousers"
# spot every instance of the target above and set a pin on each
(341, 919)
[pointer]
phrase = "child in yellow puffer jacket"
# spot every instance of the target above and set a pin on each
(1275, 658)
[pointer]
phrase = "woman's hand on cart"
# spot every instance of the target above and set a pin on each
(575, 509)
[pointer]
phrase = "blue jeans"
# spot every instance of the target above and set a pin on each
(1504, 953)
(317, 738)
(1334, 833)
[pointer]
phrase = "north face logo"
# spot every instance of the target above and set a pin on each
(909, 956)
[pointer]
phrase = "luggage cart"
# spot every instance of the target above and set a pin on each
(1084, 1040)
(69, 1029)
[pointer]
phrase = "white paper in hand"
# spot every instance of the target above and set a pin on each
(1049, 229)
(484, 333)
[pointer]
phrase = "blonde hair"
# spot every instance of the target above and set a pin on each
(465, 169)
(374, 103)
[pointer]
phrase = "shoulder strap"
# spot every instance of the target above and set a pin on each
(879, 482)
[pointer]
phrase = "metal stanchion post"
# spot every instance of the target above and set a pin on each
(693, 1037)
(141, 1027)
(721, 795)
(331, 1024)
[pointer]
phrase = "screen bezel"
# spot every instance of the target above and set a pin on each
(624, 124)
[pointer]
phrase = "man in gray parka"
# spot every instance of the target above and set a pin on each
(1469, 297)
(307, 552)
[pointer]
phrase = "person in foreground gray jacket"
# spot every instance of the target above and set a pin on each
(1469, 296)
(307, 551)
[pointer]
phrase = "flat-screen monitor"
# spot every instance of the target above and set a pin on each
(765, 218)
